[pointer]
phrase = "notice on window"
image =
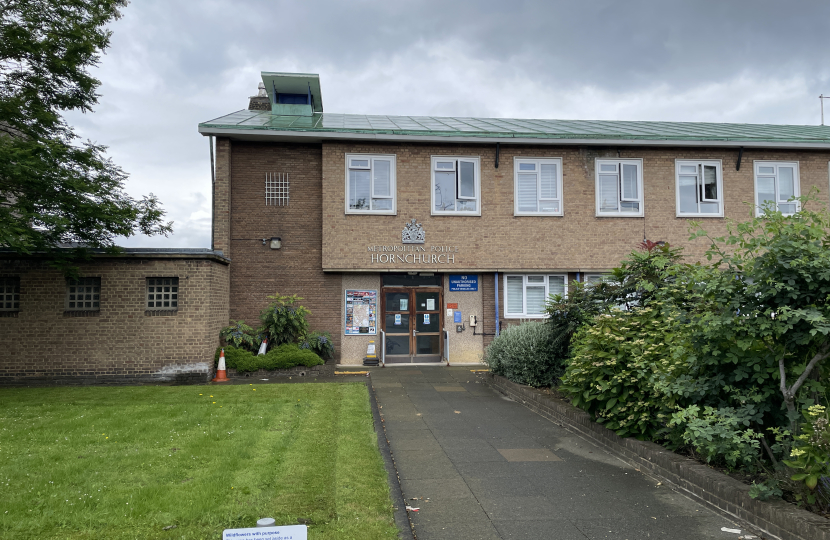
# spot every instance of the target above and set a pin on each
(397, 319)
(426, 318)
(430, 304)
(404, 304)
(361, 312)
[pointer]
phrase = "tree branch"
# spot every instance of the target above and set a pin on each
(821, 355)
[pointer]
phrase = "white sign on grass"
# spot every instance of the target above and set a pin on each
(287, 532)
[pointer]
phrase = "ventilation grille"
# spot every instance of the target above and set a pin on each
(276, 189)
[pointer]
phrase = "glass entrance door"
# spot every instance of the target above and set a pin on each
(412, 320)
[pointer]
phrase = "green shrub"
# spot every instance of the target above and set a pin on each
(319, 343)
(721, 435)
(283, 356)
(524, 355)
(620, 367)
(811, 455)
(283, 321)
(240, 335)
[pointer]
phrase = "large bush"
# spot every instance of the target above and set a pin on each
(620, 368)
(524, 354)
(283, 356)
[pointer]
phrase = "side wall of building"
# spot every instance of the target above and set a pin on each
(122, 342)
(258, 271)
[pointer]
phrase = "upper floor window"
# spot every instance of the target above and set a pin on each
(525, 295)
(619, 187)
(370, 184)
(9, 293)
(776, 182)
(538, 187)
(456, 185)
(699, 188)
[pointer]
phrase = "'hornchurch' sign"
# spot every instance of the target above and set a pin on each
(407, 254)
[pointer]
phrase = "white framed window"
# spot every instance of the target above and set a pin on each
(699, 188)
(777, 182)
(370, 184)
(593, 279)
(525, 294)
(456, 185)
(619, 187)
(537, 187)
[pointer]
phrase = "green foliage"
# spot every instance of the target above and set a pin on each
(283, 356)
(53, 189)
(812, 448)
(721, 436)
(523, 354)
(766, 490)
(768, 292)
(240, 335)
(620, 368)
(283, 321)
(319, 343)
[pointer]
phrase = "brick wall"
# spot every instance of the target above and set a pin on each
(121, 343)
(258, 271)
(498, 240)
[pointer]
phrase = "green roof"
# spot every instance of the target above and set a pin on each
(249, 124)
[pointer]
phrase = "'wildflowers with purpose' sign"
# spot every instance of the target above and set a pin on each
(287, 532)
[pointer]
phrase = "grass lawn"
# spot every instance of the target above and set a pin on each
(103, 462)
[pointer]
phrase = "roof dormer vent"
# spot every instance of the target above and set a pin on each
(293, 94)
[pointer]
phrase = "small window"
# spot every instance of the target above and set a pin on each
(593, 279)
(699, 188)
(776, 182)
(537, 187)
(83, 294)
(619, 187)
(526, 295)
(455, 185)
(163, 293)
(9, 294)
(370, 184)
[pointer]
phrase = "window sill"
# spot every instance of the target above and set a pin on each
(9, 314)
(82, 313)
(457, 214)
(696, 216)
(618, 215)
(371, 213)
(520, 317)
(160, 312)
(537, 214)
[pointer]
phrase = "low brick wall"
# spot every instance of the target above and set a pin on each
(777, 519)
(324, 370)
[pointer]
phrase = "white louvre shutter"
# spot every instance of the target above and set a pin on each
(608, 195)
(515, 293)
(549, 185)
(527, 193)
(629, 175)
(535, 300)
(556, 285)
(382, 186)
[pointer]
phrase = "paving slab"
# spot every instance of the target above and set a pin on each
(481, 466)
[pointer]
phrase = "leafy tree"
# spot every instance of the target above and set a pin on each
(55, 189)
(769, 300)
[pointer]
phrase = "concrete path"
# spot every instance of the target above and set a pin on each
(484, 467)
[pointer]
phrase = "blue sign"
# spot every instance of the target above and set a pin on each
(397, 319)
(463, 283)
(457, 317)
(426, 318)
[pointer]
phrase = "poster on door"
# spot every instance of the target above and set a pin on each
(361, 312)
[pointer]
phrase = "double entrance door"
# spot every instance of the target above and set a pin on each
(413, 321)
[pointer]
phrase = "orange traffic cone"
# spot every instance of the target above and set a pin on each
(221, 371)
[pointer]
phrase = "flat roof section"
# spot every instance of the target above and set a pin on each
(263, 125)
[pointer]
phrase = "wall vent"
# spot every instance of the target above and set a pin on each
(276, 189)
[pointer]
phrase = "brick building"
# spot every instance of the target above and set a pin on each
(397, 230)
(505, 211)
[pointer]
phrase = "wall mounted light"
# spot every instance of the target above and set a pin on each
(275, 242)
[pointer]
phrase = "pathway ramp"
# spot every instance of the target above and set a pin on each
(478, 465)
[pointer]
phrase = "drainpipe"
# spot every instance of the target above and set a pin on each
(497, 303)
(212, 193)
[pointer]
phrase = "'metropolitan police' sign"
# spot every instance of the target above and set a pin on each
(288, 532)
(463, 283)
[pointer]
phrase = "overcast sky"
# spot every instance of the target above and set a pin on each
(175, 63)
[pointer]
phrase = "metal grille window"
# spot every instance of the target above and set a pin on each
(276, 189)
(83, 294)
(163, 293)
(10, 294)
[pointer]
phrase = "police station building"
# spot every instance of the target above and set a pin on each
(425, 235)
